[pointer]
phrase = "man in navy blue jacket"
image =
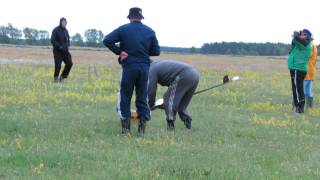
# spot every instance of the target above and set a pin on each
(137, 43)
(60, 40)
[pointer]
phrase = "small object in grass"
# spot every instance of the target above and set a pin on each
(158, 104)
(236, 78)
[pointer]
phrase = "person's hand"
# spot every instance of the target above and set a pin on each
(63, 49)
(123, 56)
(296, 34)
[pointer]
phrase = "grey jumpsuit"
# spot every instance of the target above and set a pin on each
(181, 80)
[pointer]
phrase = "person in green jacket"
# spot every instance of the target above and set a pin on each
(297, 64)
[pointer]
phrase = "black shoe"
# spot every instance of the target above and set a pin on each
(299, 110)
(309, 102)
(56, 80)
(61, 79)
(187, 123)
(125, 124)
(142, 125)
(170, 125)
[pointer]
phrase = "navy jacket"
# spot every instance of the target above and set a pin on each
(60, 39)
(135, 38)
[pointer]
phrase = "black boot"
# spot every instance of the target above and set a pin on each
(309, 102)
(300, 108)
(125, 124)
(170, 125)
(142, 125)
(61, 79)
(187, 123)
(56, 79)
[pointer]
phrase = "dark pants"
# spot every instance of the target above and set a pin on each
(134, 76)
(297, 78)
(60, 57)
(179, 94)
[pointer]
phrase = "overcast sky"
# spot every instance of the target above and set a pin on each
(182, 23)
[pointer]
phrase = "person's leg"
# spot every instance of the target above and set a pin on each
(183, 112)
(311, 95)
(300, 75)
(311, 89)
(306, 88)
(126, 91)
(57, 64)
(172, 99)
(193, 79)
(118, 109)
(307, 85)
(68, 64)
(294, 89)
(142, 96)
(141, 92)
(166, 98)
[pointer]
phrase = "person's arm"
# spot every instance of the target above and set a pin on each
(110, 41)
(155, 48)
(152, 88)
(299, 44)
(54, 40)
(292, 47)
(314, 55)
(68, 36)
(297, 41)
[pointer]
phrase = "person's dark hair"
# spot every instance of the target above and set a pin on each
(309, 35)
(62, 19)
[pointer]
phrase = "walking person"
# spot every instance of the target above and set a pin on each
(297, 63)
(137, 43)
(311, 75)
(182, 81)
(60, 41)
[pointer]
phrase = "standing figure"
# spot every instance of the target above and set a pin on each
(60, 41)
(137, 42)
(297, 63)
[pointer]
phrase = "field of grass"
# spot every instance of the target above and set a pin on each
(244, 130)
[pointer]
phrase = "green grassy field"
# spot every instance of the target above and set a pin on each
(244, 130)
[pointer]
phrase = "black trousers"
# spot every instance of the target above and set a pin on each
(297, 78)
(134, 76)
(60, 57)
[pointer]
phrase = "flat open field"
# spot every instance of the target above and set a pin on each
(244, 130)
(43, 55)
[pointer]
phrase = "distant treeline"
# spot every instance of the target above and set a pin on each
(93, 38)
(256, 49)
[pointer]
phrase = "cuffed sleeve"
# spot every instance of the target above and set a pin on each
(155, 48)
